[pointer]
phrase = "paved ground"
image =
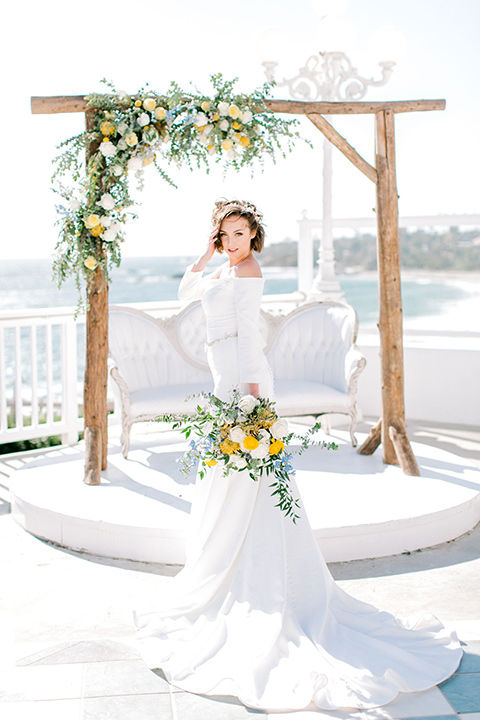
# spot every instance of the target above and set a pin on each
(66, 629)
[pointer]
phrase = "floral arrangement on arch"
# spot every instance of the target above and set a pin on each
(246, 435)
(127, 133)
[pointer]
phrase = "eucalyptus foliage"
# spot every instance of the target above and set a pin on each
(125, 134)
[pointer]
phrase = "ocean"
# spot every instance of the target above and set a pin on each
(28, 284)
(430, 302)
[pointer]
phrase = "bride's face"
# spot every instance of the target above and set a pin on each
(236, 237)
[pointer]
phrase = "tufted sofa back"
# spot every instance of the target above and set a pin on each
(309, 343)
(148, 353)
(312, 343)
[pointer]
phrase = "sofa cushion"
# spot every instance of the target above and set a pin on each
(166, 399)
(304, 397)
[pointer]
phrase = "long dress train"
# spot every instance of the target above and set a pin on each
(255, 612)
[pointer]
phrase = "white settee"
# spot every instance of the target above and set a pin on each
(156, 363)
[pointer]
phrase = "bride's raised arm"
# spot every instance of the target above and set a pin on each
(190, 287)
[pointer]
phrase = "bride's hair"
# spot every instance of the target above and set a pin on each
(239, 208)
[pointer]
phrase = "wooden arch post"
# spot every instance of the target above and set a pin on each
(96, 360)
(390, 430)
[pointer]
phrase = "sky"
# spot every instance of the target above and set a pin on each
(55, 47)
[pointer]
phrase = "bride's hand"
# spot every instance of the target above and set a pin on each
(254, 389)
(211, 244)
(208, 254)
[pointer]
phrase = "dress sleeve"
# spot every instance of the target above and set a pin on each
(248, 296)
(190, 287)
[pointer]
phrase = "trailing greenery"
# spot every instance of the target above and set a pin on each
(125, 134)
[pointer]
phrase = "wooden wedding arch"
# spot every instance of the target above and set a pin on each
(390, 430)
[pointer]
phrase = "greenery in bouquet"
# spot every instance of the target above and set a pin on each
(245, 435)
(127, 133)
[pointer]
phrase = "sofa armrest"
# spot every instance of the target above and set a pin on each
(122, 386)
(354, 364)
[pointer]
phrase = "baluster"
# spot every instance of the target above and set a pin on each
(3, 384)
(49, 372)
(18, 381)
(34, 374)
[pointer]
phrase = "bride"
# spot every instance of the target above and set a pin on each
(255, 612)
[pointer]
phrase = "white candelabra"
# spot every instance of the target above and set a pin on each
(330, 76)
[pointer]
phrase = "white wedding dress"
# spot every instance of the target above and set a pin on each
(255, 612)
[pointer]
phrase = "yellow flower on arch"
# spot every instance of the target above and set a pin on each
(97, 230)
(90, 262)
(149, 104)
(107, 128)
(211, 462)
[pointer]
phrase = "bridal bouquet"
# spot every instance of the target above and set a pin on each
(245, 435)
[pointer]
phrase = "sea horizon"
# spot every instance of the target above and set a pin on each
(451, 295)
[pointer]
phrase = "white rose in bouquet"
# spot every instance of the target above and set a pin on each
(223, 108)
(237, 434)
(247, 116)
(247, 403)
(265, 435)
(107, 149)
(117, 170)
(109, 235)
(105, 221)
(74, 204)
(239, 462)
(122, 128)
(135, 163)
(207, 428)
(279, 429)
(143, 120)
(260, 452)
(224, 125)
(201, 120)
(107, 201)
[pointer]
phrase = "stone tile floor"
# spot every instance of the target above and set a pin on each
(106, 679)
(65, 625)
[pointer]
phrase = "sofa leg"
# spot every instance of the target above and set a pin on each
(326, 425)
(125, 440)
(353, 425)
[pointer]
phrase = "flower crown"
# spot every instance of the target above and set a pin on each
(228, 207)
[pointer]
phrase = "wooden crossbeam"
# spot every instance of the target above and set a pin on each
(344, 146)
(58, 104)
(295, 107)
(77, 103)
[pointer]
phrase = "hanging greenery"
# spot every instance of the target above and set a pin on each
(126, 134)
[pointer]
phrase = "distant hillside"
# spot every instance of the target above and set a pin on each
(419, 250)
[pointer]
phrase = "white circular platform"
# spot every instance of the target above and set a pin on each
(357, 506)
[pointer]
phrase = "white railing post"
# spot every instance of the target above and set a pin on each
(69, 381)
(305, 254)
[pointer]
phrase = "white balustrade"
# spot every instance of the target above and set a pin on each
(39, 373)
